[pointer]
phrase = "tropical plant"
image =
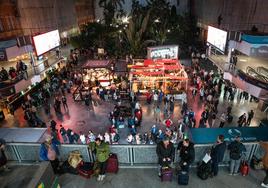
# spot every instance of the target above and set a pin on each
(112, 9)
(135, 34)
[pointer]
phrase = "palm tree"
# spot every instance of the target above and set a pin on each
(135, 33)
(111, 7)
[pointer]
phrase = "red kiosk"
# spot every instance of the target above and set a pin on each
(167, 75)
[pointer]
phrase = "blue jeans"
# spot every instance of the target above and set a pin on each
(234, 166)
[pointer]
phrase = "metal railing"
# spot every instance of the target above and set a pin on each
(128, 155)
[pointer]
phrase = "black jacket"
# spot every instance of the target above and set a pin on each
(217, 152)
(163, 152)
(236, 150)
(187, 154)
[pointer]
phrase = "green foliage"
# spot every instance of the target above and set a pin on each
(157, 23)
(111, 9)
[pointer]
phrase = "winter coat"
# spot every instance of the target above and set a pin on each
(163, 152)
(217, 152)
(187, 154)
(236, 149)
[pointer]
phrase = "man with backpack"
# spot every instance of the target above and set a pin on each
(236, 149)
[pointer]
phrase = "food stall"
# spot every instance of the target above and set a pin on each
(167, 75)
(97, 72)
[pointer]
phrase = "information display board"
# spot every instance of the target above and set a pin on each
(46, 42)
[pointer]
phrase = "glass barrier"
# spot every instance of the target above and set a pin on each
(128, 155)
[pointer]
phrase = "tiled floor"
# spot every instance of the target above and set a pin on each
(141, 178)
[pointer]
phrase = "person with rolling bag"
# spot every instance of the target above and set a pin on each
(187, 156)
(102, 151)
(236, 149)
(165, 151)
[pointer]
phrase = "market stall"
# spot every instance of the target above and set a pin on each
(97, 72)
(167, 75)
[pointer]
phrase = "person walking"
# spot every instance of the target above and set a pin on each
(165, 151)
(217, 154)
(3, 158)
(102, 151)
(250, 117)
(242, 120)
(223, 120)
(157, 112)
(236, 149)
(64, 102)
(264, 145)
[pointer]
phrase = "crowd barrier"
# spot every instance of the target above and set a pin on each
(128, 155)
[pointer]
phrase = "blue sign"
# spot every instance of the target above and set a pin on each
(247, 134)
(255, 39)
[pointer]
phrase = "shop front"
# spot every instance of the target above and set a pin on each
(160, 74)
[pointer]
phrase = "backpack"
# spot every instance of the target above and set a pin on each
(235, 152)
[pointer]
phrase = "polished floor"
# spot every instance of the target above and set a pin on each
(95, 117)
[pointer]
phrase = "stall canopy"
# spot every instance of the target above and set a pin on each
(159, 67)
(92, 64)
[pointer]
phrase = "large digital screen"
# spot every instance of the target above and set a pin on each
(163, 52)
(217, 38)
(45, 42)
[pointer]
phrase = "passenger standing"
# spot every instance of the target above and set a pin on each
(102, 151)
(265, 163)
(165, 151)
(3, 158)
(50, 152)
(217, 154)
(236, 151)
(187, 154)
(63, 133)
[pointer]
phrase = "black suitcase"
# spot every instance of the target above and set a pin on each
(183, 178)
(204, 170)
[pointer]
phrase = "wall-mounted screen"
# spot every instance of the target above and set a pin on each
(46, 42)
(217, 38)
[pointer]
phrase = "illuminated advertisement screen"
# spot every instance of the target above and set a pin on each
(217, 38)
(163, 52)
(46, 42)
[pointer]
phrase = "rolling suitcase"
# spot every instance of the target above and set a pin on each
(204, 170)
(166, 174)
(244, 168)
(112, 164)
(183, 178)
(85, 169)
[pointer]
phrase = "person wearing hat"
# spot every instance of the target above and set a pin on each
(165, 151)
(236, 149)
(187, 154)
(49, 152)
(3, 158)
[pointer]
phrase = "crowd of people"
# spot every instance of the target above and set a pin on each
(13, 72)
